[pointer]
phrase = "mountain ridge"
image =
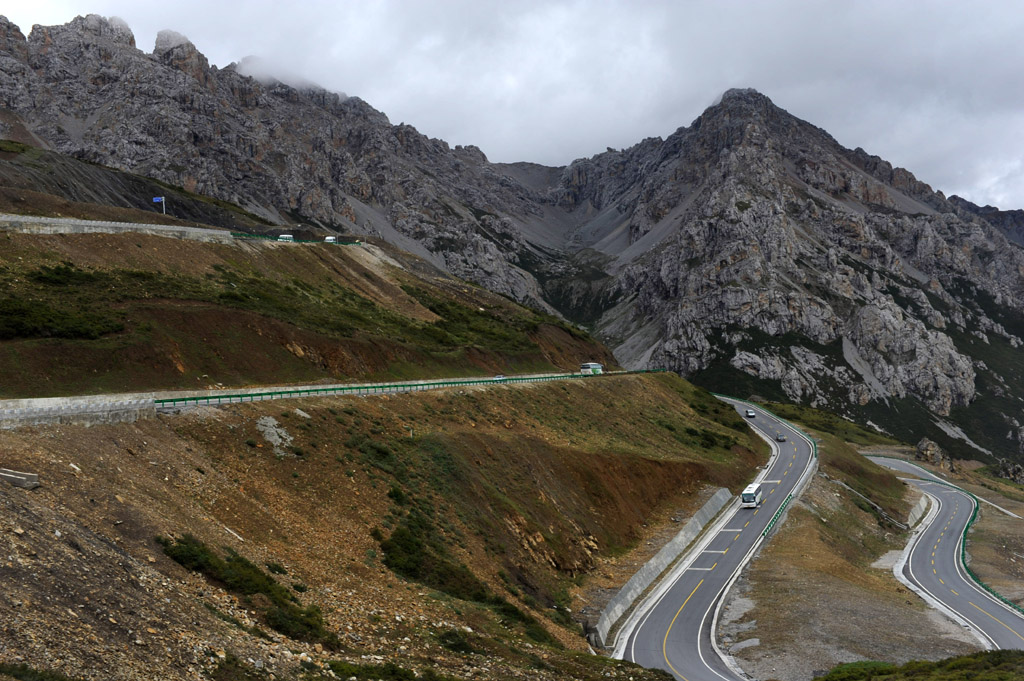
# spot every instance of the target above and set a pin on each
(749, 248)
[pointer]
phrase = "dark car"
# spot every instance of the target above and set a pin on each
(779, 437)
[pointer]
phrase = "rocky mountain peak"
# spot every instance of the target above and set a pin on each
(177, 51)
(737, 99)
(87, 30)
(12, 40)
(167, 40)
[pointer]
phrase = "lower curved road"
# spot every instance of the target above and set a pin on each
(672, 628)
(933, 564)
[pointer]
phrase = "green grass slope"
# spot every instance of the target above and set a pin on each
(124, 312)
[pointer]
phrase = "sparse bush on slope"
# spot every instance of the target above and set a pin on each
(996, 665)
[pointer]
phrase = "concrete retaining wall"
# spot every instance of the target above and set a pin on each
(34, 225)
(919, 508)
(639, 582)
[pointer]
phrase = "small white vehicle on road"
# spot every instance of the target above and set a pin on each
(751, 496)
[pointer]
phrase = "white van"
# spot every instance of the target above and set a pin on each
(330, 239)
(286, 237)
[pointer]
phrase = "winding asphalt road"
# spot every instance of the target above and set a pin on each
(933, 563)
(671, 628)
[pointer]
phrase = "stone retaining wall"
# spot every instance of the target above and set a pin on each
(85, 414)
(19, 479)
(28, 224)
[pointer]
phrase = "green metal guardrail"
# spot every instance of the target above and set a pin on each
(963, 541)
(266, 237)
(373, 389)
(778, 514)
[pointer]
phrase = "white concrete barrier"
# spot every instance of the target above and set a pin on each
(638, 583)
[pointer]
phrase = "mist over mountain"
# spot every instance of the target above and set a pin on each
(749, 250)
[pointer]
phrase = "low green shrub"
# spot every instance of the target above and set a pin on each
(384, 672)
(994, 665)
(456, 641)
(285, 613)
(23, 672)
(232, 669)
(35, 319)
(412, 557)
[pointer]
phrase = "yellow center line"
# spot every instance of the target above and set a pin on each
(954, 592)
(737, 536)
(773, 491)
(786, 473)
(942, 582)
(756, 510)
(664, 642)
(746, 523)
(934, 572)
(998, 620)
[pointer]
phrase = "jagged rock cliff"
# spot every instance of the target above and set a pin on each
(1009, 222)
(777, 229)
(749, 250)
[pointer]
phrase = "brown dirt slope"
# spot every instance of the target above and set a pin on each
(529, 486)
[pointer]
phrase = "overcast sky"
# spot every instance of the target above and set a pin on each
(935, 87)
